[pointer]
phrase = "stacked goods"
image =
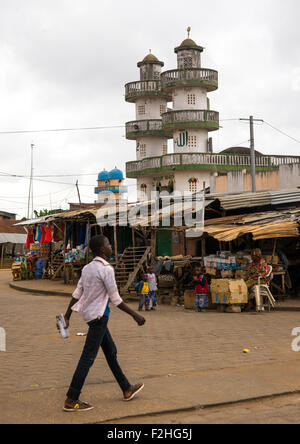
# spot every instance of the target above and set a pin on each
(35, 249)
(243, 260)
(45, 251)
(229, 291)
(76, 255)
(241, 274)
(224, 260)
(227, 263)
(166, 292)
(166, 280)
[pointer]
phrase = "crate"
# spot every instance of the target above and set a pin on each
(189, 299)
(229, 291)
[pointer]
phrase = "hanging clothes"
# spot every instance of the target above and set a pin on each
(58, 232)
(68, 229)
(42, 241)
(30, 239)
(39, 234)
(48, 234)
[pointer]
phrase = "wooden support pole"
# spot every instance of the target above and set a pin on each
(88, 243)
(2, 255)
(203, 248)
(64, 249)
(153, 244)
(274, 250)
(116, 243)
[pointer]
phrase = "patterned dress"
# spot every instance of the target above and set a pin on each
(259, 269)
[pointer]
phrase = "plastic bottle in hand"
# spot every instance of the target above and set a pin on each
(64, 332)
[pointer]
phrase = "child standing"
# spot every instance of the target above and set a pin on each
(201, 290)
(142, 288)
(152, 283)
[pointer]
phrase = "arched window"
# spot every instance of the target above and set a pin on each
(193, 182)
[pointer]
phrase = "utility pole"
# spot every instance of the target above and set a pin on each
(78, 193)
(252, 147)
(30, 193)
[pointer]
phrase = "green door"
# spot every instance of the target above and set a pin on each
(164, 243)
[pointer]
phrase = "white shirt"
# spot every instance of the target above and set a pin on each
(152, 282)
(96, 286)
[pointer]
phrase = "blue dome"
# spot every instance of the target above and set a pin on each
(116, 174)
(103, 175)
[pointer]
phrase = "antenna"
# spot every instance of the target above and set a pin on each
(30, 193)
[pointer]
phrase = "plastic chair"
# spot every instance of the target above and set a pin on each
(259, 296)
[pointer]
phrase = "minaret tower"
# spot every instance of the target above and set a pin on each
(191, 119)
(150, 103)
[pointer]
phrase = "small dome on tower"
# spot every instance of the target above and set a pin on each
(188, 42)
(116, 174)
(103, 175)
(151, 59)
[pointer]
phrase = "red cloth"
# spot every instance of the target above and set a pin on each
(42, 241)
(29, 239)
(48, 234)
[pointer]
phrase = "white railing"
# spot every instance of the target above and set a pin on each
(209, 159)
(288, 160)
(193, 74)
(143, 125)
(190, 116)
(137, 88)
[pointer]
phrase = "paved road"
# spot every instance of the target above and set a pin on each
(282, 410)
(176, 345)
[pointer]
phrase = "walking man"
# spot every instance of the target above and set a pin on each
(96, 288)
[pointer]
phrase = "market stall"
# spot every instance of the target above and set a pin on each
(56, 246)
(226, 245)
(12, 242)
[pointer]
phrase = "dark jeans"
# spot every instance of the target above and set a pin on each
(98, 336)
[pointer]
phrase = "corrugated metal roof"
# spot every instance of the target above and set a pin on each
(261, 198)
(266, 225)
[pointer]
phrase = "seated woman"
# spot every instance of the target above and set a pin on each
(259, 272)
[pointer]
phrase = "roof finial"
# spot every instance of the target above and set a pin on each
(150, 51)
(188, 31)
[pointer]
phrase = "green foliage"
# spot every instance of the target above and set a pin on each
(43, 213)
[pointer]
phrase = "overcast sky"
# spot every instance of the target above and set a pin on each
(64, 64)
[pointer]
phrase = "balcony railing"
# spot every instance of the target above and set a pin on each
(191, 119)
(144, 88)
(207, 78)
(139, 128)
(176, 161)
(111, 189)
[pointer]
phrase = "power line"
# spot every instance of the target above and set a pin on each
(92, 128)
(40, 195)
(282, 132)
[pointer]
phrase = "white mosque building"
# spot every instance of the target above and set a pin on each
(175, 105)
